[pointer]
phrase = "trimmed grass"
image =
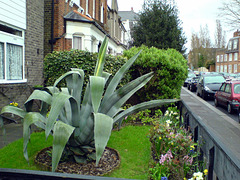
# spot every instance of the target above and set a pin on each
(131, 142)
(134, 149)
(11, 156)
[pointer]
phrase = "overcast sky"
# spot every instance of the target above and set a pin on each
(193, 14)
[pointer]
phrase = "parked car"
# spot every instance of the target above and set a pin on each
(228, 95)
(192, 84)
(208, 84)
(190, 76)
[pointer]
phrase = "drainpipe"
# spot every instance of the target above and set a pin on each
(52, 27)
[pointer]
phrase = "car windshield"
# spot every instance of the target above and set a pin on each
(214, 79)
(190, 75)
(237, 88)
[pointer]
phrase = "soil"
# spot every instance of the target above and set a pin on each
(109, 161)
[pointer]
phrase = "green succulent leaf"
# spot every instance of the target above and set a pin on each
(30, 118)
(143, 106)
(119, 97)
(97, 87)
(43, 96)
(75, 84)
(118, 76)
(14, 110)
(62, 133)
(101, 58)
(102, 131)
(58, 102)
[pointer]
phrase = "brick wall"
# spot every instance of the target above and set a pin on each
(33, 57)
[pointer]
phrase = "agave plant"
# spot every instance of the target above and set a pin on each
(81, 126)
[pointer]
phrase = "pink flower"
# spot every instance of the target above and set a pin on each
(167, 157)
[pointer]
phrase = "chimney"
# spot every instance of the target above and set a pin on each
(131, 8)
(236, 33)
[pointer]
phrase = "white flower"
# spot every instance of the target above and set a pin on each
(198, 175)
(168, 122)
(166, 113)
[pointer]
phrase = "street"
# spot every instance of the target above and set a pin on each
(234, 116)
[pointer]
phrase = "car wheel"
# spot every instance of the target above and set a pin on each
(216, 102)
(198, 93)
(229, 108)
(238, 115)
(191, 89)
(204, 95)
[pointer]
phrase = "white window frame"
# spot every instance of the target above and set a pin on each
(221, 58)
(221, 68)
(217, 68)
(225, 57)
(94, 4)
(7, 38)
(225, 68)
(77, 36)
(235, 68)
(217, 58)
(230, 45)
(235, 56)
(235, 44)
(87, 7)
(229, 68)
(230, 57)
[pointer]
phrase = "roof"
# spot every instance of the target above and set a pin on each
(77, 16)
(128, 15)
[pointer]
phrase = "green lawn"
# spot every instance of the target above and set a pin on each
(131, 142)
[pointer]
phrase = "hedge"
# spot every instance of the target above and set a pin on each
(169, 67)
(60, 62)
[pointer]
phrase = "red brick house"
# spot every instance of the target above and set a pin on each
(78, 24)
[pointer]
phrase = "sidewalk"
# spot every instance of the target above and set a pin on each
(13, 133)
(225, 129)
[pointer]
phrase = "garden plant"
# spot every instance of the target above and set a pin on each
(175, 152)
(81, 125)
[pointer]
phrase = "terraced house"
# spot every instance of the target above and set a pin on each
(227, 59)
(30, 29)
(82, 24)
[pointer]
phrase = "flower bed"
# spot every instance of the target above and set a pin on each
(175, 154)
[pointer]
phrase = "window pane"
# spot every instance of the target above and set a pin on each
(14, 62)
(77, 43)
(2, 61)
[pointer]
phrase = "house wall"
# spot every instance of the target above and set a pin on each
(33, 56)
(227, 60)
(14, 13)
(63, 35)
(62, 8)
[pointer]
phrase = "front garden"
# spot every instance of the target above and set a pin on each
(79, 118)
(160, 150)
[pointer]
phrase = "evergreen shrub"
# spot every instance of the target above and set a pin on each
(170, 71)
(60, 62)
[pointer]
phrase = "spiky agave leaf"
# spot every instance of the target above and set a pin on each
(29, 119)
(102, 131)
(101, 58)
(142, 106)
(62, 133)
(119, 97)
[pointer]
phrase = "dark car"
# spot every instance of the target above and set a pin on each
(228, 95)
(208, 84)
(190, 76)
(192, 84)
